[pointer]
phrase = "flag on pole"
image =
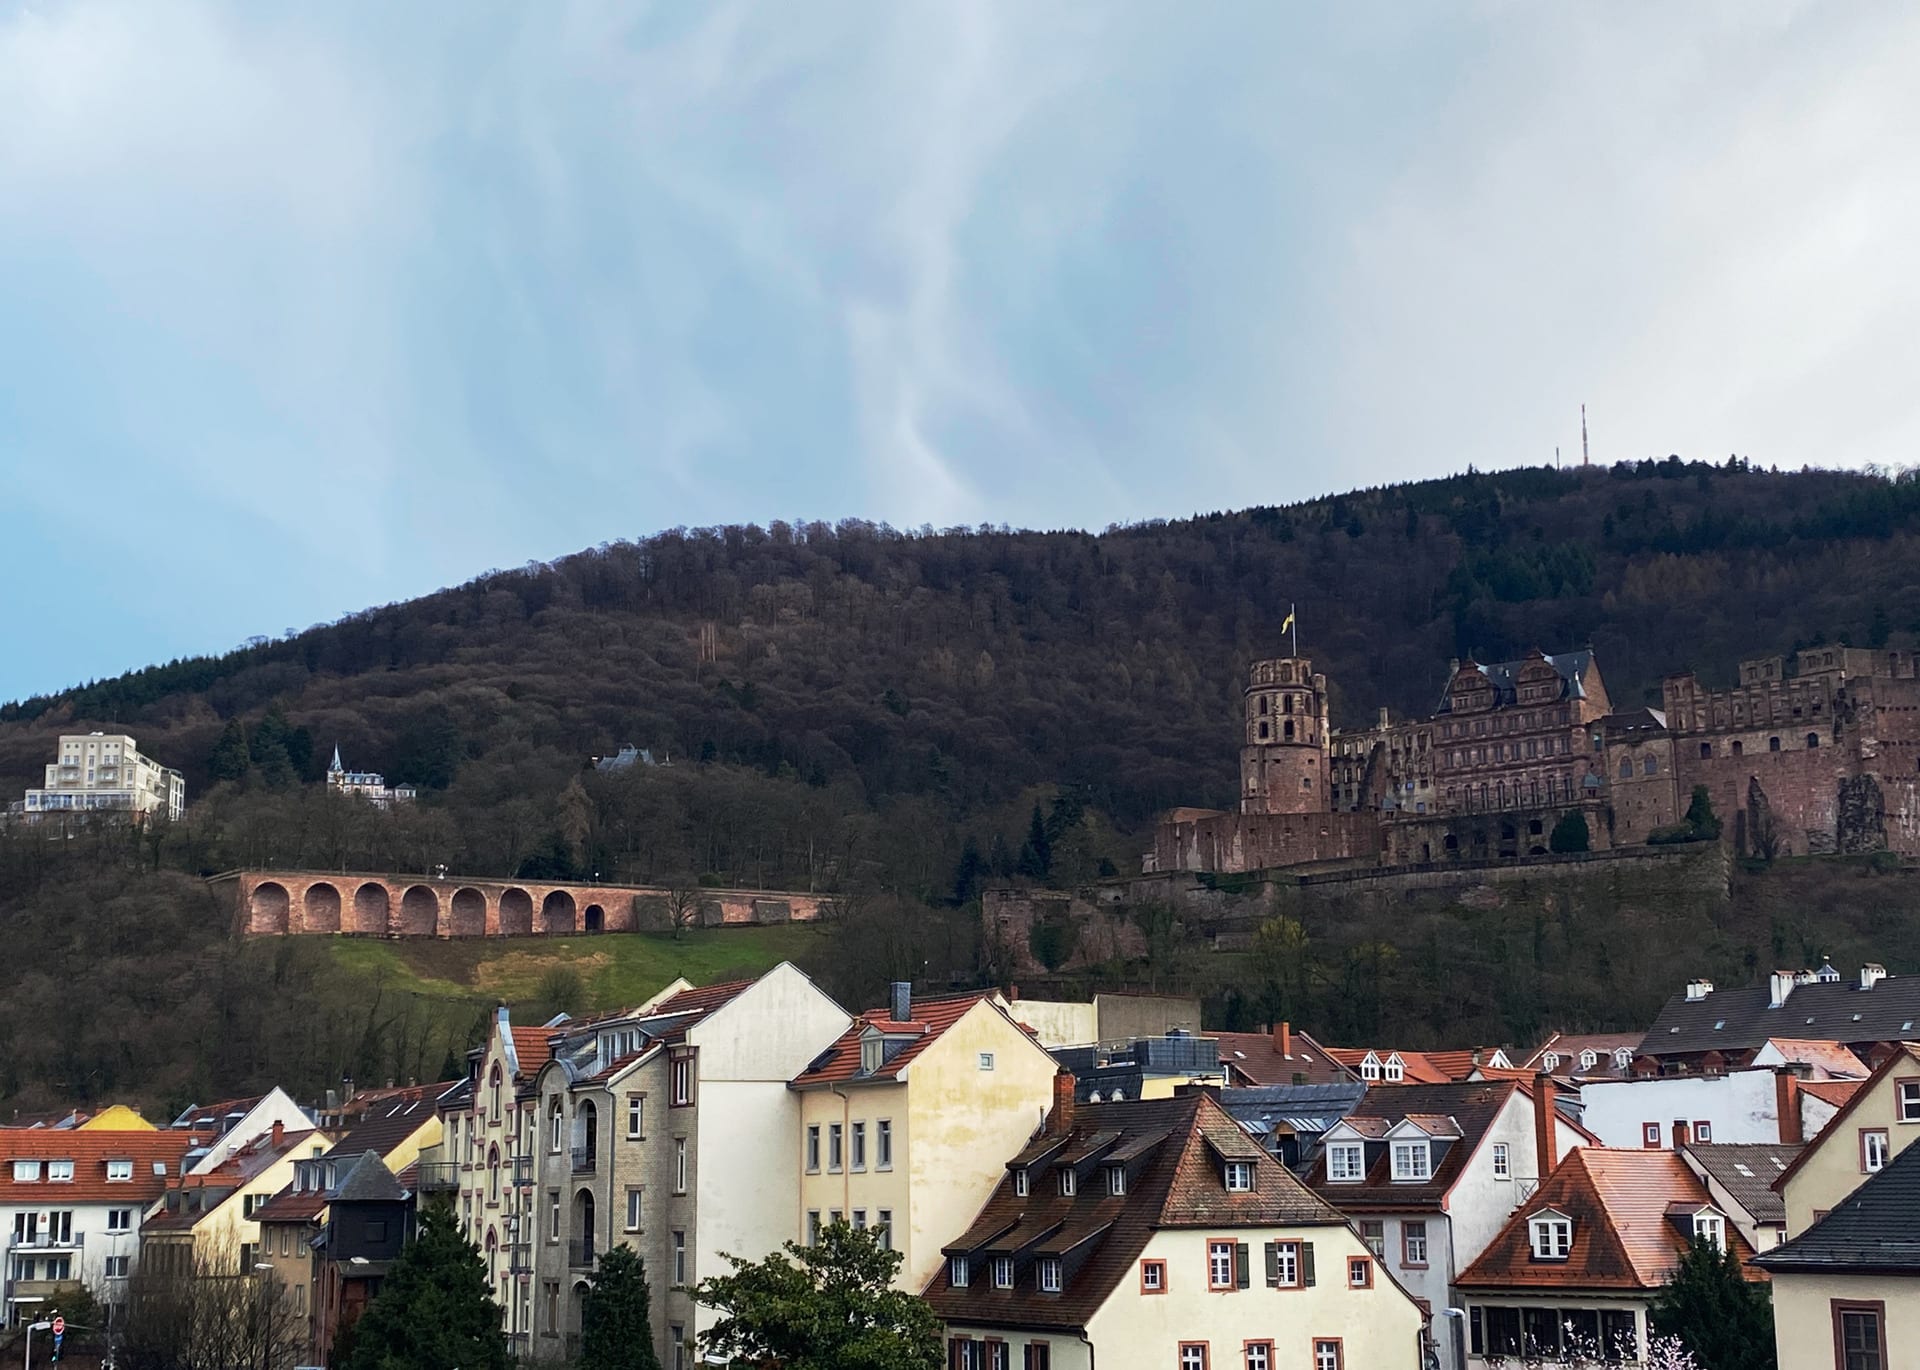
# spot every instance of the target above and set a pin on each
(1286, 624)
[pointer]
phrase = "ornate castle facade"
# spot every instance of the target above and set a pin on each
(1817, 753)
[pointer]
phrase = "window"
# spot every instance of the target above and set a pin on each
(873, 1054)
(1551, 1237)
(556, 1127)
(957, 1272)
(636, 1116)
(1066, 1181)
(1860, 1335)
(1239, 1177)
(119, 1171)
(253, 1203)
(116, 1267)
(679, 1165)
(963, 1354)
(1003, 1272)
(1283, 1265)
(1650, 1134)
(1220, 1265)
(1773, 744)
(1413, 1244)
(1049, 1274)
(1359, 1272)
(634, 1210)
(859, 1220)
(680, 1259)
(996, 1355)
(1346, 1162)
(1373, 1231)
(119, 1220)
(1326, 1353)
(680, 1080)
(883, 1224)
(1813, 740)
(1193, 1355)
(986, 1060)
(1020, 1183)
(1650, 766)
(1703, 1131)
(60, 1171)
(813, 1148)
(1396, 1070)
(1873, 1149)
(1153, 1277)
(1502, 1162)
(1370, 1068)
(813, 1227)
(858, 1158)
(835, 1146)
(1259, 1355)
(1907, 1101)
(553, 1215)
(1412, 1161)
(1116, 1180)
(1711, 1226)
(883, 1144)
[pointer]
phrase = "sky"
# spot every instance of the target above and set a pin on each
(306, 308)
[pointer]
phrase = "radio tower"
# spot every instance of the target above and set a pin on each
(1584, 460)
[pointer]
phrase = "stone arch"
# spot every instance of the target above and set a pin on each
(322, 908)
(268, 906)
(467, 913)
(419, 912)
(595, 919)
(556, 912)
(371, 905)
(516, 913)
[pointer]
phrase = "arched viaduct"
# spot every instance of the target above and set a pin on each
(278, 903)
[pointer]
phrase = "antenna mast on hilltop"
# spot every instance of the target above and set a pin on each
(1584, 458)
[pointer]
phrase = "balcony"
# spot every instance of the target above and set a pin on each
(520, 1172)
(585, 1160)
(580, 1254)
(520, 1259)
(439, 1177)
(45, 1241)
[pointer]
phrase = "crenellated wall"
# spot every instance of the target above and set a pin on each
(279, 903)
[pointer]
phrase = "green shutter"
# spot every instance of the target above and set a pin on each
(1242, 1265)
(1306, 1264)
(1273, 1264)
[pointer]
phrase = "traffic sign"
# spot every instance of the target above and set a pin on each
(59, 1326)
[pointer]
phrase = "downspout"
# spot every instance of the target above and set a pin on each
(1088, 1343)
(846, 1153)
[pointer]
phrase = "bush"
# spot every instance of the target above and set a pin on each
(1570, 834)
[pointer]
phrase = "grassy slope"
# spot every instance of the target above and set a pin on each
(617, 968)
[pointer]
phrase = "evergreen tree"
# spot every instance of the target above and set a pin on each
(966, 876)
(1725, 1320)
(230, 758)
(1700, 815)
(1036, 853)
(826, 1307)
(1570, 833)
(616, 1330)
(435, 1310)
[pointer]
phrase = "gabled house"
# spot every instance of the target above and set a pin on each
(1739, 1179)
(1382, 1065)
(1156, 1233)
(1844, 1290)
(1428, 1173)
(209, 1220)
(1285, 1056)
(370, 1217)
(236, 1123)
(1876, 1124)
(1575, 1266)
(907, 1119)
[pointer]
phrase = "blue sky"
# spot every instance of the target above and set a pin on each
(310, 307)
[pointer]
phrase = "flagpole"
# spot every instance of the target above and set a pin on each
(1294, 626)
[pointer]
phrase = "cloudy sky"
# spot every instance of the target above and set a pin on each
(305, 307)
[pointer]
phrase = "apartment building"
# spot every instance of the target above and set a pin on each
(102, 772)
(906, 1121)
(209, 1219)
(1876, 1125)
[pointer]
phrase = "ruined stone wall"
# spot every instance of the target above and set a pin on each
(1247, 841)
(1802, 787)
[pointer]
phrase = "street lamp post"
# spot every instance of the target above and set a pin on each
(33, 1327)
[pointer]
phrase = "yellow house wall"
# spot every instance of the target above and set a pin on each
(1060, 1023)
(117, 1118)
(1164, 1086)
(1378, 1328)
(1803, 1317)
(963, 1125)
(219, 1235)
(871, 1189)
(1833, 1171)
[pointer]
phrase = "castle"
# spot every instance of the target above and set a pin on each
(1817, 753)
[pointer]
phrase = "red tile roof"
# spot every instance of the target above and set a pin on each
(705, 999)
(840, 1062)
(1257, 1060)
(1626, 1235)
(530, 1048)
(1835, 1092)
(90, 1152)
(1422, 1067)
(1470, 1106)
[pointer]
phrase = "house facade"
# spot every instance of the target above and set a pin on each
(209, 1220)
(1876, 1125)
(1154, 1233)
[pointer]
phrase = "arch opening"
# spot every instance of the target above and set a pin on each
(267, 907)
(595, 918)
(556, 912)
(467, 913)
(371, 906)
(419, 913)
(516, 913)
(322, 909)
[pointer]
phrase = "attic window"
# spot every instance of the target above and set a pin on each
(1551, 1237)
(872, 1052)
(1590, 1058)
(1623, 1058)
(1550, 1061)
(1711, 1227)
(1412, 1161)
(1719, 1023)
(1003, 1272)
(1396, 1069)
(957, 1272)
(1239, 1177)
(1116, 1180)
(1020, 1183)
(1370, 1068)
(25, 1170)
(1067, 1183)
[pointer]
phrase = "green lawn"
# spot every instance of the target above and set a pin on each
(618, 968)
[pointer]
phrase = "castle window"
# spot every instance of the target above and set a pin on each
(1706, 750)
(1650, 765)
(1626, 768)
(1813, 740)
(1265, 729)
(1773, 744)
(1286, 704)
(1289, 733)
(1737, 747)
(1263, 703)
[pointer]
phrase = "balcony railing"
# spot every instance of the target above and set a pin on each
(585, 1160)
(45, 1241)
(520, 1259)
(439, 1177)
(580, 1254)
(520, 1173)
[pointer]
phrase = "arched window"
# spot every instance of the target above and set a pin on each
(1738, 747)
(493, 1087)
(1813, 740)
(493, 1174)
(1650, 765)
(1773, 744)
(556, 1126)
(1626, 768)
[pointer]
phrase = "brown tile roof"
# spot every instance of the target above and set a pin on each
(90, 1152)
(290, 1207)
(1625, 1232)
(1835, 1092)
(706, 998)
(530, 1048)
(1257, 1060)
(1174, 1184)
(840, 1062)
(1831, 1057)
(1422, 1067)
(1472, 1106)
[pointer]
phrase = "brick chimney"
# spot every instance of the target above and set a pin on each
(1545, 1123)
(1060, 1120)
(1283, 1039)
(1786, 1102)
(279, 1133)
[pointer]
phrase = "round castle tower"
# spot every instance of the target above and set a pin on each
(1283, 757)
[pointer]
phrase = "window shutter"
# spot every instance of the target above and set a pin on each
(1306, 1264)
(1273, 1264)
(1242, 1264)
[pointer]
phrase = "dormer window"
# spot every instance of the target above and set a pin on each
(25, 1170)
(1551, 1236)
(60, 1171)
(873, 1051)
(1370, 1068)
(1067, 1182)
(957, 1272)
(119, 1170)
(1346, 1162)
(1003, 1272)
(1020, 1183)
(1589, 1059)
(1412, 1161)
(1116, 1180)
(1396, 1070)
(1710, 1227)
(1239, 1177)
(1050, 1274)
(1622, 1058)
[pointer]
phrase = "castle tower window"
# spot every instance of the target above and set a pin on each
(1289, 733)
(1626, 768)
(1263, 703)
(1265, 729)
(1813, 740)
(1773, 744)
(1286, 704)
(1738, 746)
(1650, 765)
(1706, 750)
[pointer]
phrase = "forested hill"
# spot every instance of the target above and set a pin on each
(846, 698)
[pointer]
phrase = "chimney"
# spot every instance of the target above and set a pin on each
(1060, 1120)
(1780, 985)
(1682, 1133)
(1013, 994)
(900, 1001)
(1872, 974)
(1545, 1123)
(1383, 718)
(1786, 1102)
(279, 1134)
(1698, 990)
(1283, 1039)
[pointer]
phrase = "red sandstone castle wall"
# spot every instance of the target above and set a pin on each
(1243, 842)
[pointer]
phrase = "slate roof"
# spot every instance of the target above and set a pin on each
(1826, 1011)
(1174, 1184)
(215, 1117)
(1572, 666)
(1255, 1058)
(387, 1125)
(1875, 1229)
(1747, 1170)
(1471, 1105)
(1568, 1046)
(368, 1181)
(840, 1063)
(1629, 1231)
(1264, 1109)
